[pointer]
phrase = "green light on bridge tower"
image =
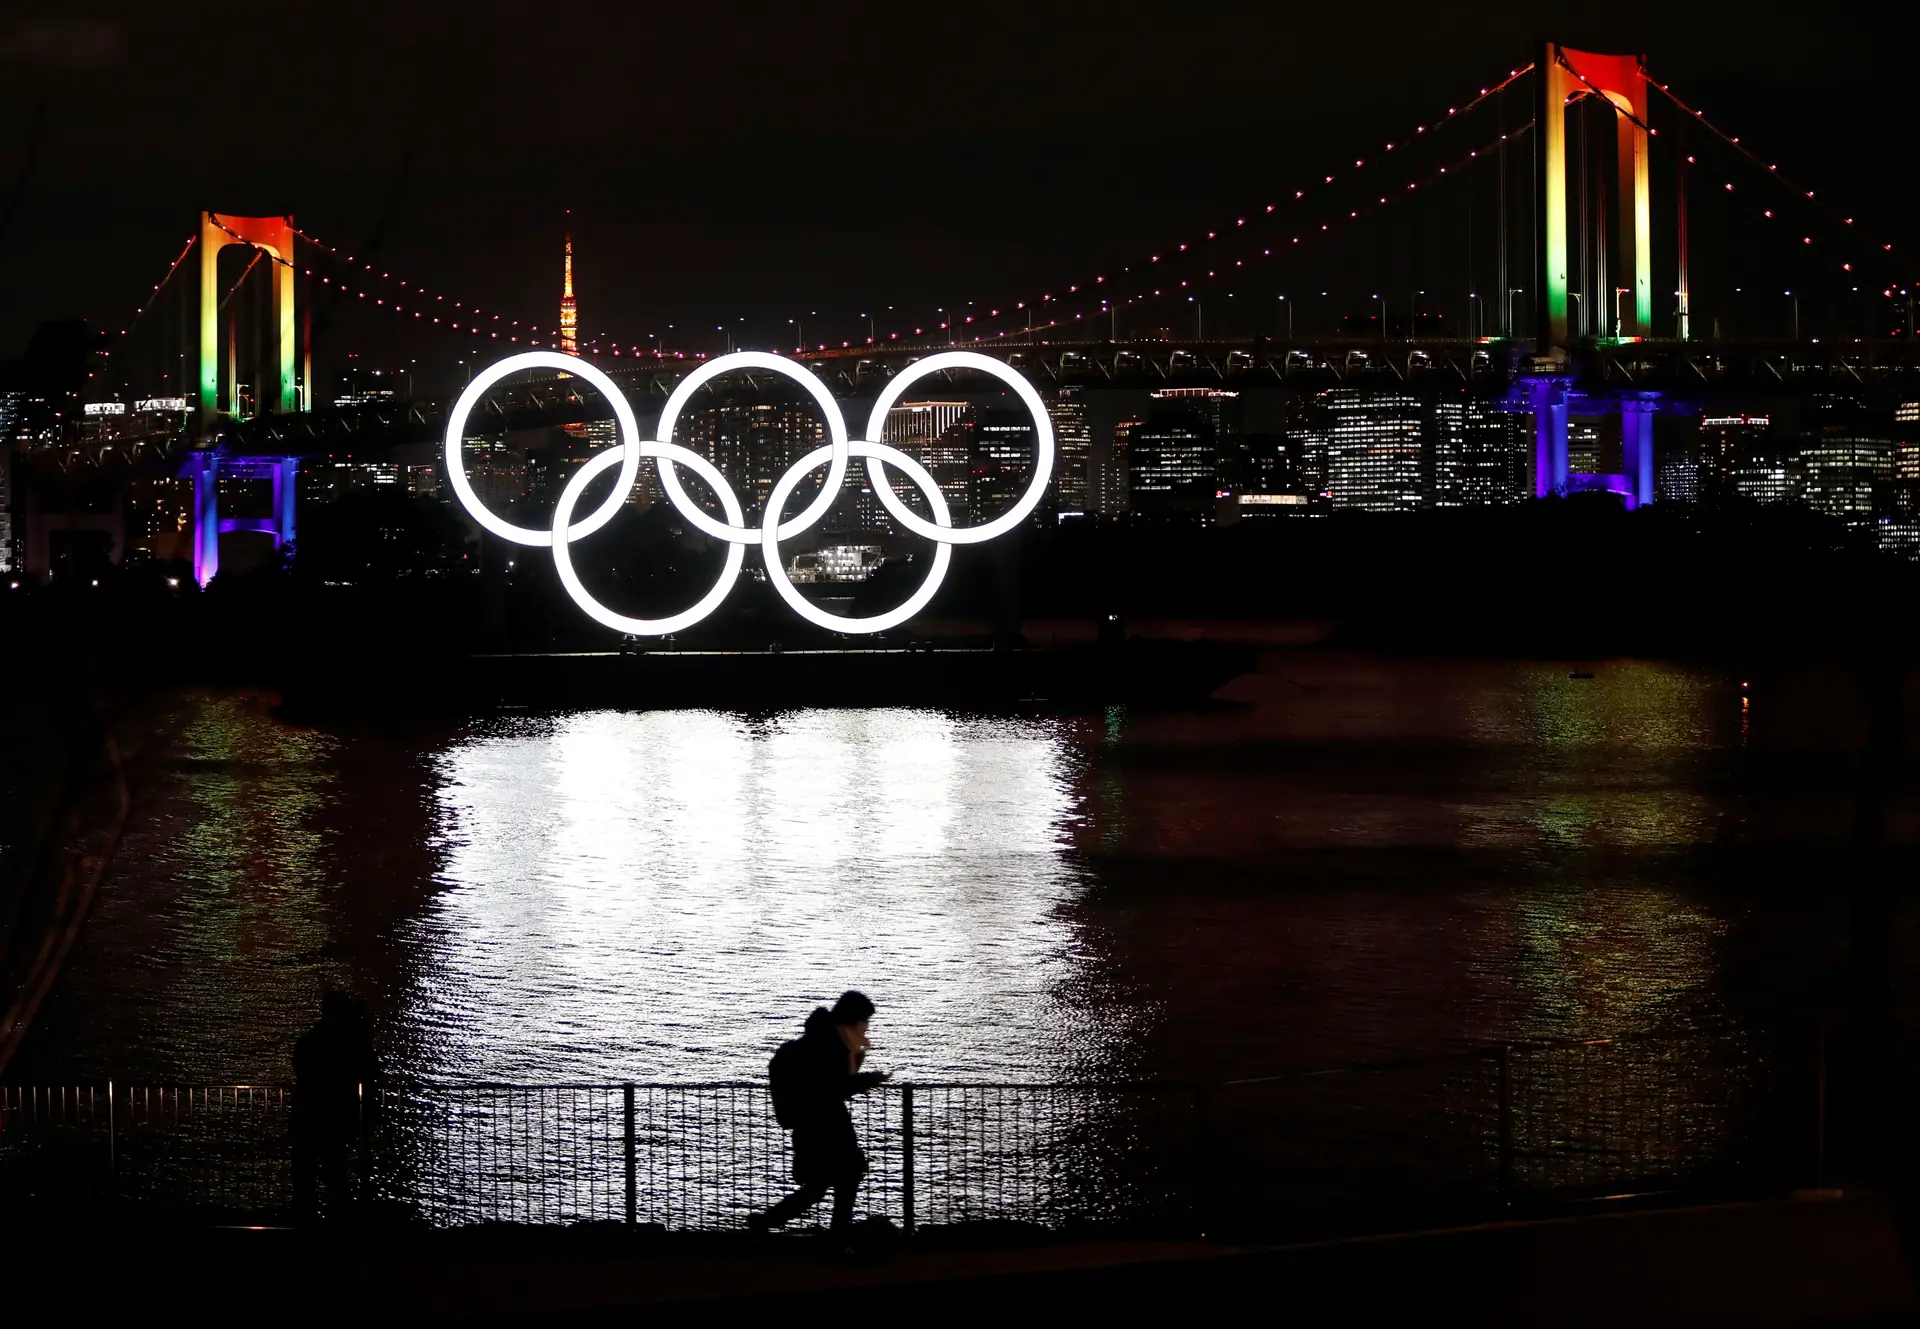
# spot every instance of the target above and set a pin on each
(1566, 76)
(274, 237)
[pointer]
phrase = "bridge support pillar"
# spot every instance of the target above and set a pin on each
(1549, 400)
(285, 470)
(204, 470)
(1636, 449)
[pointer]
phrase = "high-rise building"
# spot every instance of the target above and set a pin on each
(1898, 535)
(569, 312)
(1002, 459)
(930, 432)
(1730, 444)
(1846, 473)
(159, 517)
(1586, 445)
(1906, 459)
(1073, 449)
(1175, 456)
(497, 473)
(1480, 454)
(1376, 457)
(1676, 475)
(1115, 495)
(1171, 464)
(753, 443)
(1307, 440)
(6, 504)
(1846, 463)
(1219, 408)
(1763, 472)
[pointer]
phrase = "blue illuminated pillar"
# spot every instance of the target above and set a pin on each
(1636, 448)
(1549, 396)
(204, 469)
(284, 472)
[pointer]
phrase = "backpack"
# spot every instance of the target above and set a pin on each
(785, 1074)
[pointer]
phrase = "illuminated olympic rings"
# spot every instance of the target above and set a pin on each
(670, 456)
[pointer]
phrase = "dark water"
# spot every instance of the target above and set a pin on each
(1365, 857)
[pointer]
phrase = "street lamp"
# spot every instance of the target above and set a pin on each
(1472, 323)
(1288, 306)
(1618, 322)
(1511, 292)
(1413, 319)
(1579, 324)
(1199, 319)
(1383, 315)
(799, 333)
(1796, 314)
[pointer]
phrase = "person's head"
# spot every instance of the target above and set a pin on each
(854, 1010)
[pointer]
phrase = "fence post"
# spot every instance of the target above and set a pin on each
(633, 1193)
(906, 1156)
(1820, 1105)
(1202, 1150)
(1506, 1125)
(362, 1175)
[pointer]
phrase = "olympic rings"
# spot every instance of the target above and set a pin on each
(670, 456)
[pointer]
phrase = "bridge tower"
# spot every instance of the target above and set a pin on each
(284, 387)
(272, 238)
(1565, 77)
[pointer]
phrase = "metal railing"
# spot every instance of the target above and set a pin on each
(1439, 1137)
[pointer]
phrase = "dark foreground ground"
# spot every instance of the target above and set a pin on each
(1824, 1260)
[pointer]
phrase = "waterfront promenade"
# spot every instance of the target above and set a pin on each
(1819, 1260)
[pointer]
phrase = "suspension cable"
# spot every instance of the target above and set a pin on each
(1833, 214)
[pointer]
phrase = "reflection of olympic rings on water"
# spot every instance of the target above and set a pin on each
(670, 456)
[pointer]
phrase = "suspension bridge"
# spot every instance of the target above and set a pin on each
(1555, 205)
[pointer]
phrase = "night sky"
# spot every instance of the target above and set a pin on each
(761, 162)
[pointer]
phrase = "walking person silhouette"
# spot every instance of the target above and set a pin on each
(812, 1077)
(333, 1067)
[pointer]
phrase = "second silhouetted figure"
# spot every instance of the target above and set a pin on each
(812, 1077)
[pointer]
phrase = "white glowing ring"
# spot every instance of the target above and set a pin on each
(1042, 459)
(878, 455)
(736, 531)
(629, 453)
(563, 558)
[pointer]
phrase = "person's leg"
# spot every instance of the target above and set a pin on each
(796, 1204)
(306, 1197)
(844, 1191)
(337, 1175)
